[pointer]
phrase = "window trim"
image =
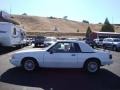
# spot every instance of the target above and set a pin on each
(49, 50)
(14, 31)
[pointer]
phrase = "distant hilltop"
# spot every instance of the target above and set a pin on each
(48, 24)
(36, 24)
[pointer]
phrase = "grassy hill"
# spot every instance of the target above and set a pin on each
(55, 25)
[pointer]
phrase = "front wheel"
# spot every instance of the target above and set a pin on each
(92, 66)
(29, 65)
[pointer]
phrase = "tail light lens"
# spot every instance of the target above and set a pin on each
(110, 56)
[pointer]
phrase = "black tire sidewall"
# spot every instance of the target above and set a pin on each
(114, 48)
(86, 66)
(23, 65)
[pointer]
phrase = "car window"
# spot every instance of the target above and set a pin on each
(116, 40)
(65, 47)
(77, 47)
(100, 39)
(110, 40)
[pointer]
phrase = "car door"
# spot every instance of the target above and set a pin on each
(61, 55)
(110, 43)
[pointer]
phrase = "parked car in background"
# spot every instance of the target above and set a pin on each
(49, 40)
(39, 41)
(62, 54)
(98, 42)
(113, 43)
(29, 41)
(90, 42)
(72, 39)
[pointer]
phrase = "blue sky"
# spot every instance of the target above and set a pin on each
(94, 11)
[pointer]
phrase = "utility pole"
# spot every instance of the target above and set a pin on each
(112, 20)
(10, 7)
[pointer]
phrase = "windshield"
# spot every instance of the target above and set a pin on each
(117, 40)
(50, 39)
(48, 45)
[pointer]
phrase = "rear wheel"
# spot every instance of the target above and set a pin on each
(36, 45)
(104, 46)
(92, 66)
(114, 48)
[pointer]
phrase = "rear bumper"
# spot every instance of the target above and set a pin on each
(107, 62)
(118, 48)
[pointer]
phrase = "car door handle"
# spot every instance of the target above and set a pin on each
(73, 55)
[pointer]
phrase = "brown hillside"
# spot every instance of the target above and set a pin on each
(45, 24)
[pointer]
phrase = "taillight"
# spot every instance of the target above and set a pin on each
(110, 56)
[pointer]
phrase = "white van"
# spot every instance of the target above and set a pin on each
(11, 35)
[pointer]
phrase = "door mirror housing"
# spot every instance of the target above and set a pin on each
(51, 52)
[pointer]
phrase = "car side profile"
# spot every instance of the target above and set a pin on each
(113, 43)
(62, 54)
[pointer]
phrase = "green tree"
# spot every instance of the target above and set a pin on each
(24, 14)
(85, 21)
(88, 32)
(107, 27)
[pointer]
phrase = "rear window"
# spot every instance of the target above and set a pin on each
(85, 47)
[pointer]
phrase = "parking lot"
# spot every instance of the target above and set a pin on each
(12, 78)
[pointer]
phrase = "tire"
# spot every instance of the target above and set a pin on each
(21, 46)
(104, 46)
(36, 45)
(114, 48)
(92, 66)
(0, 45)
(29, 64)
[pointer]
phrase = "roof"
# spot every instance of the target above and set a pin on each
(75, 41)
(4, 19)
(112, 38)
(106, 32)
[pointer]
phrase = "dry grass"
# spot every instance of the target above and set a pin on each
(46, 25)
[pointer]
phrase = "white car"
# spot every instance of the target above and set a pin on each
(62, 54)
(98, 41)
(49, 40)
(113, 43)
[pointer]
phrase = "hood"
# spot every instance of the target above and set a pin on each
(31, 50)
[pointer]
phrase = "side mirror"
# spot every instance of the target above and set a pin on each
(51, 52)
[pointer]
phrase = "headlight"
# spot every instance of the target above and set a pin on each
(13, 57)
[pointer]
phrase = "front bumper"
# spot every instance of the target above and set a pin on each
(15, 62)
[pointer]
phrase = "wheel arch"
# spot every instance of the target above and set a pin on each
(32, 58)
(92, 59)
